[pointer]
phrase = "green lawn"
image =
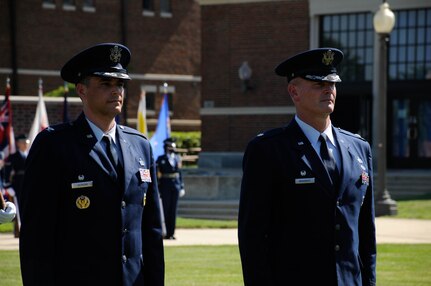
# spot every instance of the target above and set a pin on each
(418, 207)
(205, 223)
(397, 265)
(404, 265)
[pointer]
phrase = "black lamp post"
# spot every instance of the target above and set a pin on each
(384, 21)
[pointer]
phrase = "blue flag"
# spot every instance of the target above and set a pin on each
(163, 129)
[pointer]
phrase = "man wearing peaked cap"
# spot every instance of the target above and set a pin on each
(93, 182)
(171, 184)
(14, 172)
(314, 65)
(307, 204)
(108, 60)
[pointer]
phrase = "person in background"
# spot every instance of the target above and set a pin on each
(306, 212)
(171, 184)
(90, 212)
(15, 166)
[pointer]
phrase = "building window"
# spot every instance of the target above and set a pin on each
(148, 6)
(165, 8)
(409, 49)
(48, 4)
(150, 98)
(88, 6)
(69, 5)
(171, 102)
(410, 45)
(354, 35)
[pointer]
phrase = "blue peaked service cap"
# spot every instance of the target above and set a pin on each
(103, 60)
(315, 65)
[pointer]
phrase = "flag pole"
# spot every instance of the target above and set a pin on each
(65, 112)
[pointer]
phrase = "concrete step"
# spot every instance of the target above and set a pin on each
(407, 183)
(212, 198)
(208, 209)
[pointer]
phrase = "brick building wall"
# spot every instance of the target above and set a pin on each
(24, 111)
(165, 48)
(262, 33)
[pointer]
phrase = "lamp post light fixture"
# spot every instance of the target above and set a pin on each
(244, 73)
(384, 21)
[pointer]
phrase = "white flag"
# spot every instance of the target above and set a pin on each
(40, 121)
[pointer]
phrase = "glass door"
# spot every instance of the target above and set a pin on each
(409, 139)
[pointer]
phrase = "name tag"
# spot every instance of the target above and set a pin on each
(302, 181)
(79, 185)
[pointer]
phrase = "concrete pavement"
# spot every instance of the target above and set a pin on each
(389, 230)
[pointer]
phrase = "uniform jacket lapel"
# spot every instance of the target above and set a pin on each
(128, 157)
(347, 161)
(94, 149)
(300, 143)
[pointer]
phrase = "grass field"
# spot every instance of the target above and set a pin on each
(397, 265)
(418, 207)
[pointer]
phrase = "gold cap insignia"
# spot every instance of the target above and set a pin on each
(82, 202)
(115, 54)
(328, 57)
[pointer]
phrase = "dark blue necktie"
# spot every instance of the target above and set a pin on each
(328, 160)
(110, 151)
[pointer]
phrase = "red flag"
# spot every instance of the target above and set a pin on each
(7, 137)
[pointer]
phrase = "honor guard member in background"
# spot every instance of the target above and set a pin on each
(171, 184)
(90, 203)
(14, 166)
(7, 210)
(307, 213)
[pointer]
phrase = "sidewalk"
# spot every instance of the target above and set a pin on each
(389, 230)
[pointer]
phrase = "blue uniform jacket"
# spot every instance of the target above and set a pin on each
(293, 226)
(164, 167)
(79, 225)
(15, 165)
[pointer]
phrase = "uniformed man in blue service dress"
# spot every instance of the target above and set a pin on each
(306, 214)
(90, 203)
(15, 164)
(14, 172)
(171, 184)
